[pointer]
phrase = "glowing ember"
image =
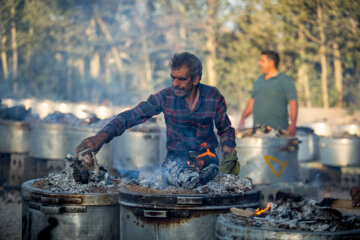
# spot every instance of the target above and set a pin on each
(258, 211)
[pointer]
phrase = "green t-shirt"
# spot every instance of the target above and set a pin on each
(271, 99)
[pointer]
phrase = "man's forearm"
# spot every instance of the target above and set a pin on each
(293, 112)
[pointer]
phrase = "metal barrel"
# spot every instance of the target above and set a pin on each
(14, 136)
(176, 216)
(228, 228)
(340, 152)
(268, 159)
(47, 215)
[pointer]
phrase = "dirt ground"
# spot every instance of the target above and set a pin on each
(10, 218)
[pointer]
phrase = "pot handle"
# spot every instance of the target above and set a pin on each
(290, 146)
(63, 209)
(155, 213)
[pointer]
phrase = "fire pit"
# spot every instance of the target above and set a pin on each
(72, 204)
(289, 217)
(189, 215)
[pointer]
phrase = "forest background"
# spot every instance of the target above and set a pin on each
(118, 51)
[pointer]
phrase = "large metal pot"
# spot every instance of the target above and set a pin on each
(340, 152)
(322, 128)
(268, 159)
(73, 137)
(348, 128)
(14, 136)
(48, 141)
(137, 148)
(176, 216)
(228, 228)
(47, 215)
(309, 144)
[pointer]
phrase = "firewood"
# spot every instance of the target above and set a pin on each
(242, 213)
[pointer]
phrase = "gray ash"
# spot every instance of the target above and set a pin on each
(76, 178)
(222, 184)
(292, 212)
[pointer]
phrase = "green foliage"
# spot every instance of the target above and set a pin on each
(60, 42)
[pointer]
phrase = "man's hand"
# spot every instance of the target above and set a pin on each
(229, 164)
(292, 129)
(355, 195)
(227, 150)
(92, 144)
(242, 123)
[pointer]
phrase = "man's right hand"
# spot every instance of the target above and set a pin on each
(92, 144)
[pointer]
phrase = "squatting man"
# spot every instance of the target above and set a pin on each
(190, 110)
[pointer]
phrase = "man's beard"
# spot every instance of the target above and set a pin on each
(186, 93)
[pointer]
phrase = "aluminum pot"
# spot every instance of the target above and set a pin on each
(340, 152)
(268, 159)
(322, 128)
(137, 148)
(176, 216)
(229, 228)
(73, 137)
(14, 136)
(48, 141)
(349, 128)
(309, 144)
(47, 215)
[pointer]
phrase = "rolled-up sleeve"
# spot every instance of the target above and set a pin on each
(137, 115)
(223, 124)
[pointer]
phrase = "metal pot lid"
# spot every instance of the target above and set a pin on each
(34, 194)
(189, 201)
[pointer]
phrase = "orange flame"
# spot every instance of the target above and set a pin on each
(200, 162)
(258, 211)
(326, 195)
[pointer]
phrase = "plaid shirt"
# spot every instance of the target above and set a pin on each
(186, 129)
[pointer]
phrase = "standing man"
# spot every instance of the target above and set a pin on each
(272, 93)
(190, 110)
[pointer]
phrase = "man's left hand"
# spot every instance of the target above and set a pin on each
(227, 150)
(292, 129)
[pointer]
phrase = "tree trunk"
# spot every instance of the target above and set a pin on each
(69, 78)
(110, 40)
(303, 77)
(322, 52)
(95, 66)
(338, 72)
(13, 42)
(29, 50)
(211, 43)
(182, 30)
(4, 58)
(147, 65)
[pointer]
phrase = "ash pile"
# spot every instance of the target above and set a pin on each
(262, 131)
(222, 184)
(291, 212)
(79, 176)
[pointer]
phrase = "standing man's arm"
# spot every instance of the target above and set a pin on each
(247, 112)
(293, 117)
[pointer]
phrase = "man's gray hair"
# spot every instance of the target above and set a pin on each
(188, 59)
